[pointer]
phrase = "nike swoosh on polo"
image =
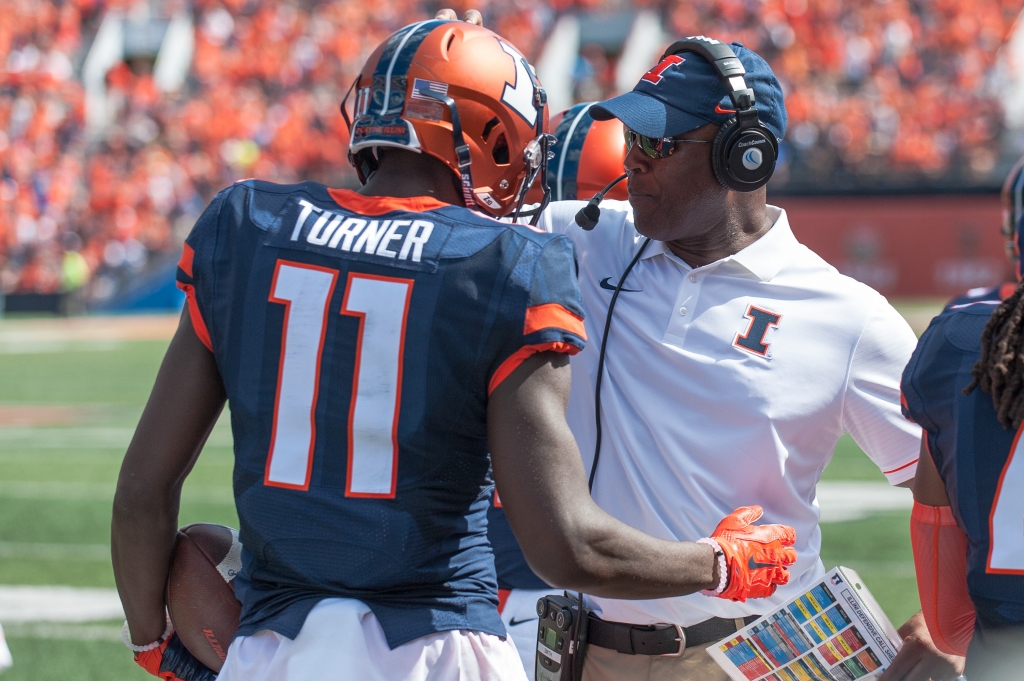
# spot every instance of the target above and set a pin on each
(754, 565)
(606, 283)
(514, 622)
(720, 110)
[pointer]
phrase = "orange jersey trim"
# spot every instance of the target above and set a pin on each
(188, 254)
(379, 205)
(903, 403)
(198, 325)
(553, 315)
(896, 470)
(503, 595)
(520, 355)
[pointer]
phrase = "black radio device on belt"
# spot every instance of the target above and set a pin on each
(561, 638)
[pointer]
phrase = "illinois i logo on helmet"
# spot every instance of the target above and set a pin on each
(458, 92)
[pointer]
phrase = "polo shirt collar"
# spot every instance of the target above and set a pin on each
(764, 258)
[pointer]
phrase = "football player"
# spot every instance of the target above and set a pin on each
(1013, 211)
(374, 346)
(588, 155)
(965, 386)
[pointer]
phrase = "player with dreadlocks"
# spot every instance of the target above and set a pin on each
(1013, 210)
(968, 500)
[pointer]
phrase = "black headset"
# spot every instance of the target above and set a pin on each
(744, 152)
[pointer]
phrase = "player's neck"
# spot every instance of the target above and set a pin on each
(405, 173)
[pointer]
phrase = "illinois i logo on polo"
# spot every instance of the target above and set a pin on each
(753, 339)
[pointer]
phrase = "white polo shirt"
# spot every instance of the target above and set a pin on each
(729, 385)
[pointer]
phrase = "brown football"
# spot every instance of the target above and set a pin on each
(200, 590)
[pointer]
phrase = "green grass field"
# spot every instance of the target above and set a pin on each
(56, 486)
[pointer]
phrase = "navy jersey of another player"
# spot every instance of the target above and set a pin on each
(992, 295)
(980, 462)
(358, 339)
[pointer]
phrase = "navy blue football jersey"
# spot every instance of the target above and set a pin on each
(992, 295)
(979, 460)
(358, 339)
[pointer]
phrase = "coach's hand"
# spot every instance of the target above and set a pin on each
(919, 659)
(756, 555)
(471, 16)
(172, 662)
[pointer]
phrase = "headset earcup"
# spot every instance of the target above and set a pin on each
(718, 165)
(743, 158)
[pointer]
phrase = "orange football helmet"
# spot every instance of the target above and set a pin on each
(462, 94)
(588, 156)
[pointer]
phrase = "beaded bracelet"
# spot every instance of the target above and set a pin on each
(126, 637)
(723, 569)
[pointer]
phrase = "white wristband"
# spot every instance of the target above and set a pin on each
(126, 637)
(723, 568)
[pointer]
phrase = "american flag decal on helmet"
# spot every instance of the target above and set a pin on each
(420, 84)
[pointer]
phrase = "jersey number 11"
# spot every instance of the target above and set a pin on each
(382, 306)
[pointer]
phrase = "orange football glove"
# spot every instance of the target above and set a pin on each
(756, 556)
(173, 662)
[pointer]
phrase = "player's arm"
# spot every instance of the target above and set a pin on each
(182, 409)
(940, 559)
(926, 653)
(569, 541)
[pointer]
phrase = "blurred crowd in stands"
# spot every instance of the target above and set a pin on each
(872, 86)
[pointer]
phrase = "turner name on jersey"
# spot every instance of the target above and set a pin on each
(363, 235)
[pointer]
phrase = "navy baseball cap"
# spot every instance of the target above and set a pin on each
(678, 96)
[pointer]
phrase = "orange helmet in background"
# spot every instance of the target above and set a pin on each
(462, 94)
(588, 155)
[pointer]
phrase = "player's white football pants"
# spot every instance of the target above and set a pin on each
(519, 613)
(341, 639)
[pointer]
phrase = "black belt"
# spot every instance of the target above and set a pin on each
(658, 639)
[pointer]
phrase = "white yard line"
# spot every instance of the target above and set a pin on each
(65, 632)
(849, 500)
(58, 604)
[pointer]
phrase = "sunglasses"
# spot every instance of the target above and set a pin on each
(655, 147)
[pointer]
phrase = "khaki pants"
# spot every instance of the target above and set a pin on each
(693, 665)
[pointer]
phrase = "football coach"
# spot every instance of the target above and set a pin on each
(734, 361)
(735, 358)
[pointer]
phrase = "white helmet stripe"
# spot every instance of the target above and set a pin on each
(391, 66)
